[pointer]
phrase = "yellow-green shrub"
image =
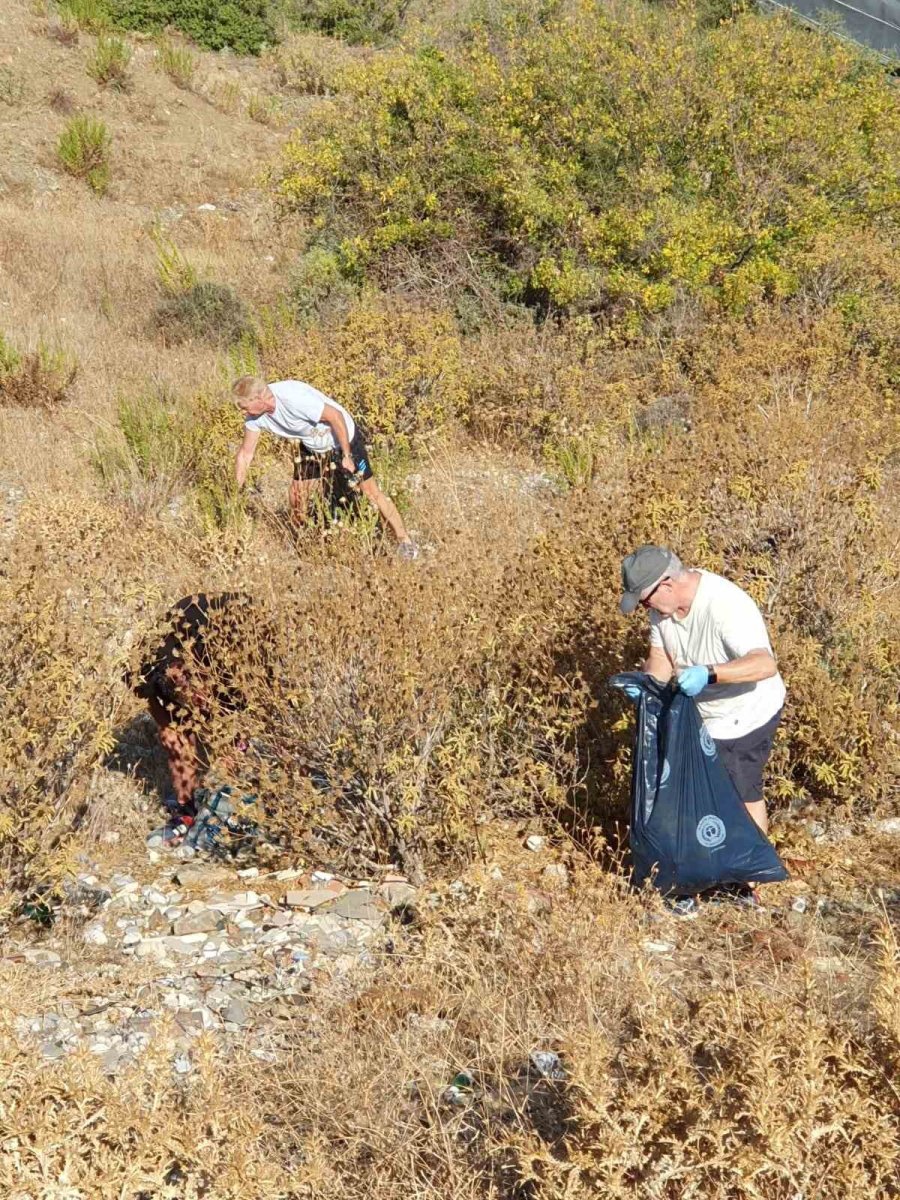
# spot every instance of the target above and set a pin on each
(604, 156)
(398, 367)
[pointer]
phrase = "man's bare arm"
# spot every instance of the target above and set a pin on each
(658, 664)
(245, 455)
(749, 668)
(335, 420)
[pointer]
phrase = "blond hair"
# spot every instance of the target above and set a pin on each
(247, 387)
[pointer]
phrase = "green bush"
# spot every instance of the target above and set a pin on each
(369, 22)
(39, 379)
(109, 62)
(610, 159)
(92, 16)
(83, 150)
(245, 26)
(212, 311)
(178, 62)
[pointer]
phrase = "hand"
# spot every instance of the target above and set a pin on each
(692, 680)
(632, 691)
(348, 465)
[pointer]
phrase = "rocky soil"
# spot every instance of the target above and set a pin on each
(202, 948)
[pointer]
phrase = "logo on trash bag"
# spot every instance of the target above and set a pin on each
(710, 832)
(707, 745)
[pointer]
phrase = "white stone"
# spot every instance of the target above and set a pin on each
(889, 825)
(94, 935)
(206, 208)
(38, 957)
(657, 947)
(275, 937)
(179, 1000)
(249, 873)
(187, 945)
(154, 947)
(535, 842)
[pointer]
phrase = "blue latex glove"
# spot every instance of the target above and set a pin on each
(632, 691)
(692, 680)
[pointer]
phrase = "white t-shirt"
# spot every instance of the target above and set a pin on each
(723, 623)
(298, 416)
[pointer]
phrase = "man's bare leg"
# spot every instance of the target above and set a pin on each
(181, 754)
(387, 508)
(757, 810)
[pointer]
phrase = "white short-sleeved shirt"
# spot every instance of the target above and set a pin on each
(298, 416)
(723, 623)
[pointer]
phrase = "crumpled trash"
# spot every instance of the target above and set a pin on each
(219, 818)
(218, 815)
(547, 1064)
(459, 1089)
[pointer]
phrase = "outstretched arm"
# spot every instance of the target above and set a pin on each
(245, 455)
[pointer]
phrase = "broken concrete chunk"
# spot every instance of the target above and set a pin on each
(192, 874)
(396, 894)
(237, 1012)
(184, 945)
(359, 905)
(207, 920)
(39, 957)
(308, 898)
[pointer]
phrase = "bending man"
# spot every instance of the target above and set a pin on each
(328, 438)
(711, 635)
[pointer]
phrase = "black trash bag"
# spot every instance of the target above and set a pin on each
(689, 830)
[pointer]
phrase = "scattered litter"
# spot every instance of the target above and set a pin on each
(459, 1090)
(535, 842)
(548, 1064)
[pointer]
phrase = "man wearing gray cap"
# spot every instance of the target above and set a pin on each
(711, 635)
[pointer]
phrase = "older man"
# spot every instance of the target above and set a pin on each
(328, 438)
(711, 635)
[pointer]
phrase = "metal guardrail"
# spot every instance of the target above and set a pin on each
(874, 23)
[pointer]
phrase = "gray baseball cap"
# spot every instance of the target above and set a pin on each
(641, 570)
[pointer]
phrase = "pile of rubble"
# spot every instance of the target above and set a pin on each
(218, 957)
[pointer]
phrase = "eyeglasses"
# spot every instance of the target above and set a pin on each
(645, 600)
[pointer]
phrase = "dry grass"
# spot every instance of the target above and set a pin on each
(747, 1060)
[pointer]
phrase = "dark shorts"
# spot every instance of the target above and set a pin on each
(745, 758)
(309, 465)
